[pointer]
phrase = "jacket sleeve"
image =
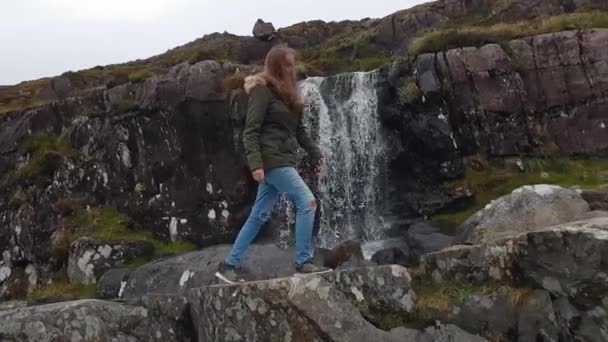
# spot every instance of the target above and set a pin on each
(304, 140)
(259, 99)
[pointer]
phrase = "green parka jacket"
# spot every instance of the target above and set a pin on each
(272, 131)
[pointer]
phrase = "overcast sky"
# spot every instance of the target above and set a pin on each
(41, 38)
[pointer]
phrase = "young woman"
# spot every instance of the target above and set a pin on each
(272, 133)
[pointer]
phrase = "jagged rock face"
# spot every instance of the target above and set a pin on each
(528, 208)
(167, 152)
(398, 30)
(553, 284)
(87, 320)
(424, 154)
(567, 259)
(538, 98)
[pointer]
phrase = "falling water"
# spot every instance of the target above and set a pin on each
(342, 115)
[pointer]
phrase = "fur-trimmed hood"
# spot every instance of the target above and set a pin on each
(254, 80)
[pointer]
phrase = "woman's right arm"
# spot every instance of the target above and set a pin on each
(259, 98)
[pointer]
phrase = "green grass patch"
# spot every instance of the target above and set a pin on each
(347, 52)
(108, 224)
(62, 288)
(46, 152)
(432, 297)
(140, 75)
(478, 35)
(22, 95)
(496, 179)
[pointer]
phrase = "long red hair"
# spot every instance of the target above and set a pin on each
(280, 80)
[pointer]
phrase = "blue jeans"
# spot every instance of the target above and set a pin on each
(278, 180)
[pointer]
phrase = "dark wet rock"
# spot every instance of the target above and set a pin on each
(392, 256)
(345, 254)
(90, 259)
(424, 238)
(394, 251)
(597, 199)
(525, 209)
(536, 319)
(488, 94)
(176, 275)
(174, 308)
(85, 320)
(112, 283)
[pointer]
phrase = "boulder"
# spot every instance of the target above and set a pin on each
(344, 305)
(526, 209)
(502, 311)
(424, 238)
(112, 283)
(90, 258)
(392, 256)
(565, 260)
(176, 275)
(87, 321)
(61, 86)
(307, 308)
(597, 199)
(389, 252)
(263, 30)
(554, 284)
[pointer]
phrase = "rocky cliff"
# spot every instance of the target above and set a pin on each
(166, 152)
(108, 169)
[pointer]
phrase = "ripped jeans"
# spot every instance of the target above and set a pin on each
(278, 180)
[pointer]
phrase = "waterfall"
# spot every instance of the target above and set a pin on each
(342, 115)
